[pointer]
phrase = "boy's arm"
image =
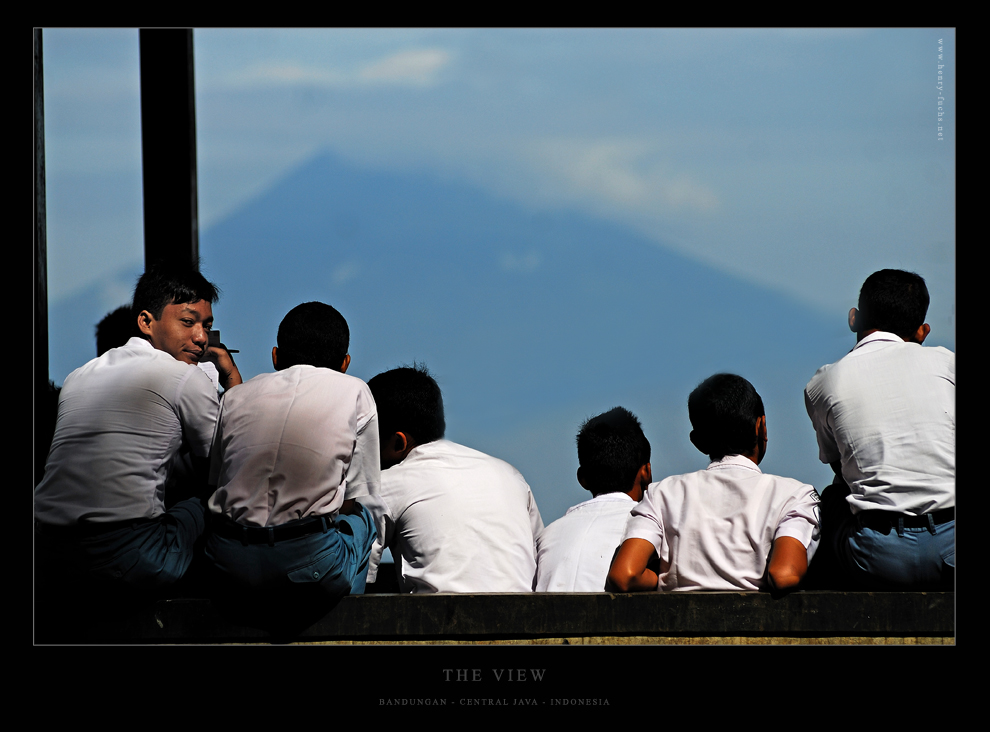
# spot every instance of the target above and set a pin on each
(629, 571)
(788, 563)
(230, 376)
(363, 477)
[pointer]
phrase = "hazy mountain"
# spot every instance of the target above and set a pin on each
(530, 321)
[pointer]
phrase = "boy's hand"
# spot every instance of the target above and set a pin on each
(221, 358)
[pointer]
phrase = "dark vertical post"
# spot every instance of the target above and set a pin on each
(168, 144)
(44, 414)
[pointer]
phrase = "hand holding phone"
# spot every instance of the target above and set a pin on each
(229, 375)
(215, 341)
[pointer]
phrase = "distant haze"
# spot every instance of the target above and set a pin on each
(555, 221)
(530, 322)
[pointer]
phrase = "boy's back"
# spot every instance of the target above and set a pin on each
(730, 527)
(293, 450)
(464, 521)
(714, 529)
(288, 442)
(575, 551)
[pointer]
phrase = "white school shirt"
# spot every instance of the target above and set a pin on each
(574, 553)
(460, 521)
(887, 412)
(293, 444)
(122, 419)
(714, 529)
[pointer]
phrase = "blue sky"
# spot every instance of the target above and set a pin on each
(797, 161)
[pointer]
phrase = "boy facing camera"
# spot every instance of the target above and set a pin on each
(729, 527)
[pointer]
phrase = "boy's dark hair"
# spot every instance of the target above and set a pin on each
(894, 301)
(313, 334)
(611, 450)
(724, 409)
(409, 401)
(165, 284)
(116, 329)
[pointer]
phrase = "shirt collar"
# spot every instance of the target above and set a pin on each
(734, 461)
(136, 342)
(879, 335)
(616, 497)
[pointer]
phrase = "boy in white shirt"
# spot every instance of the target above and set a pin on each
(575, 551)
(729, 527)
(294, 458)
(458, 520)
(885, 418)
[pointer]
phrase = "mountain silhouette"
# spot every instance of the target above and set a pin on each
(531, 320)
(518, 313)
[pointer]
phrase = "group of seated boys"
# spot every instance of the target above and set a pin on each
(300, 478)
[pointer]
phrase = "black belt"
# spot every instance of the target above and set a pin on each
(890, 518)
(223, 526)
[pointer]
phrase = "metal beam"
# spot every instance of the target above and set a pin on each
(168, 144)
(44, 416)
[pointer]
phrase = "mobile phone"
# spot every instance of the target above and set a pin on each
(214, 341)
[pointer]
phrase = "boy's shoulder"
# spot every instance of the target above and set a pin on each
(732, 469)
(301, 375)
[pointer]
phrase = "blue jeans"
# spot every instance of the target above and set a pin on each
(140, 554)
(871, 551)
(322, 566)
(889, 557)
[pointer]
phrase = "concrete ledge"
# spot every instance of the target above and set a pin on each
(924, 617)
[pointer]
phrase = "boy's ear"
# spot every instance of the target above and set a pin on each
(144, 321)
(395, 448)
(275, 357)
(580, 477)
(761, 428)
(761, 439)
(854, 320)
(643, 479)
(345, 364)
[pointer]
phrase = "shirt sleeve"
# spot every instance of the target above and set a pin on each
(814, 402)
(644, 522)
(197, 406)
(364, 470)
(215, 449)
(801, 519)
(386, 533)
(534, 514)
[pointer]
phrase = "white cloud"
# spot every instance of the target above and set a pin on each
(415, 67)
(625, 172)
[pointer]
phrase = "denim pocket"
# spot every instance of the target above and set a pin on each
(949, 552)
(325, 575)
(119, 567)
(327, 564)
